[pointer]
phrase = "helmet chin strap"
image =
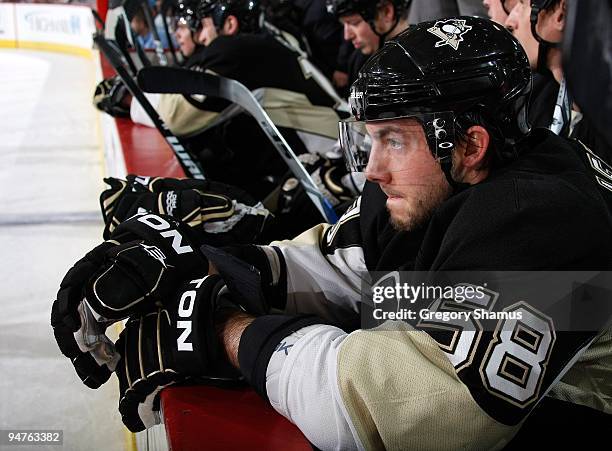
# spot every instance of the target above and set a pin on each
(563, 110)
(543, 45)
(446, 164)
(383, 36)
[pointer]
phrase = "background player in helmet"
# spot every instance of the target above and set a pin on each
(540, 26)
(227, 18)
(546, 88)
(185, 31)
(186, 27)
(549, 29)
(238, 152)
(467, 189)
(366, 24)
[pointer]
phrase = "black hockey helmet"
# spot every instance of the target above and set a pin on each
(442, 73)
(339, 8)
(248, 13)
(185, 14)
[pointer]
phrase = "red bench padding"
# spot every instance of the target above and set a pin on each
(220, 419)
(145, 151)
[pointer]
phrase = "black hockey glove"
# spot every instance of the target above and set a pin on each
(219, 214)
(110, 96)
(335, 181)
(173, 344)
(136, 271)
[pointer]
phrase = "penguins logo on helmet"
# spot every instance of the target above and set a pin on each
(451, 32)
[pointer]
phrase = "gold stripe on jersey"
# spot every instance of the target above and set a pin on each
(589, 381)
(401, 392)
(181, 117)
(286, 109)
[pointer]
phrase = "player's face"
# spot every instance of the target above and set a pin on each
(495, 11)
(403, 166)
(184, 40)
(519, 24)
(359, 32)
(208, 33)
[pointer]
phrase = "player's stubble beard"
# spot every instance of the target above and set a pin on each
(418, 213)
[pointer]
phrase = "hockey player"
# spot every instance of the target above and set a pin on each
(386, 389)
(367, 25)
(545, 87)
(543, 23)
(521, 202)
(237, 151)
(186, 26)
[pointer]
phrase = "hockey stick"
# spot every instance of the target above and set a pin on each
(121, 38)
(135, 43)
(108, 48)
(189, 82)
(98, 20)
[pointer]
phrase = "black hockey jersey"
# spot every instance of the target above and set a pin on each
(423, 385)
(237, 151)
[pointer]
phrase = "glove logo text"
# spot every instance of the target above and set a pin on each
(157, 223)
(185, 310)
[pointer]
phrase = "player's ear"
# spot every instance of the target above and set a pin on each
(231, 26)
(476, 147)
(559, 16)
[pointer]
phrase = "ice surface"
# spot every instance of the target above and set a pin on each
(51, 173)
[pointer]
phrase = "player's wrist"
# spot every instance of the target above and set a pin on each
(230, 323)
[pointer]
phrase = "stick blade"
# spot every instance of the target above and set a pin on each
(174, 80)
